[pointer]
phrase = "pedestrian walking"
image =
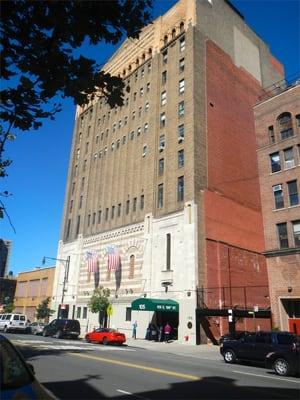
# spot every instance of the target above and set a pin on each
(160, 333)
(167, 332)
(134, 327)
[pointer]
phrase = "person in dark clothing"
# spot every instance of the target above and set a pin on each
(167, 332)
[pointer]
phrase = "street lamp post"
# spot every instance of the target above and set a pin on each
(67, 264)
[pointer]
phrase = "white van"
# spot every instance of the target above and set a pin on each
(13, 322)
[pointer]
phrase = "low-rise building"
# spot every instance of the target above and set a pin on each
(277, 120)
(32, 288)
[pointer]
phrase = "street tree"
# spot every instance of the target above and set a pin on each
(9, 308)
(42, 57)
(99, 302)
(43, 311)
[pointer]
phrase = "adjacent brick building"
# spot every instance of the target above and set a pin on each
(277, 120)
(32, 288)
(169, 181)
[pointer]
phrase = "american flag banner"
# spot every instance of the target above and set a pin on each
(113, 258)
(91, 260)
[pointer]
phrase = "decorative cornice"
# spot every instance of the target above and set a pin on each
(281, 252)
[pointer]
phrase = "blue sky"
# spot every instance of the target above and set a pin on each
(37, 177)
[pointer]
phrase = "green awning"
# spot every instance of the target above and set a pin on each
(144, 304)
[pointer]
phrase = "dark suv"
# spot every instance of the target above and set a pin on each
(256, 347)
(60, 328)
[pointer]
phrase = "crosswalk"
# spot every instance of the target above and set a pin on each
(67, 345)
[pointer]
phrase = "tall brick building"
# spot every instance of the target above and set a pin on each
(167, 184)
(277, 120)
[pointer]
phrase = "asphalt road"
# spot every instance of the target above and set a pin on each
(78, 370)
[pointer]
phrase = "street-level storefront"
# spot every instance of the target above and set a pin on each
(161, 310)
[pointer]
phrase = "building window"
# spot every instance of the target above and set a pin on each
(128, 314)
(163, 120)
(142, 203)
(124, 140)
(68, 229)
(168, 251)
(147, 106)
(181, 109)
(143, 71)
(82, 183)
(285, 125)
(282, 235)
(133, 114)
(73, 188)
(164, 77)
(165, 56)
(99, 216)
(163, 98)
(145, 150)
(181, 27)
(173, 33)
(141, 92)
(271, 134)
(296, 232)
(161, 166)
(181, 65)
(125, 120)
(140, 111)
(148, 87)
(119, 209)
(293, 193)
(118, 143)
(146, 127)
(180, 188)
(181, 86)
(134, 204)
(180, 158)
(78, 312)
(127, 206)
(114, 127)
(182, 44)
(78, 225)
(278, 196)
(80, 201)
(275, 162)
(89, 220)
(160, 196)
(131, 135)
(78, 154)
(139, 130)
(162, 142)
(131, 266)
(106, 214)
(84, 313)
(288, 158)
(180, 132)
(94, 218)
(149, 67)
(113, 212)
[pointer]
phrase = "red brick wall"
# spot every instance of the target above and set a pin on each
(231, 143)
(233, 222)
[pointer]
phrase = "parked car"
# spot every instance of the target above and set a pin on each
(286, 362)
(14, 322)
(106, 336)
(256, 346)
(36, 328)
(17, 378)
(61, 328)
(233, 336)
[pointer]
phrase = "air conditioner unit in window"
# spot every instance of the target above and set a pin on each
(276, 188)
(289, 164)
(180, 139)
(161, 147)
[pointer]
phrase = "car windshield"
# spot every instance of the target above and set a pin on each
(13, 371)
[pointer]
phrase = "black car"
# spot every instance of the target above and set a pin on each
(60, 328)
(256, 346)
(284, 362)
(233, 336)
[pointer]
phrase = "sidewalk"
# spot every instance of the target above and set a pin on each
(175, 347)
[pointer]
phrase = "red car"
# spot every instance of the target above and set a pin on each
(105, 336)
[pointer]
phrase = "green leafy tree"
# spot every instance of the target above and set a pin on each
(99, 302)
(43, 311)
(9, 308)
(42, 57)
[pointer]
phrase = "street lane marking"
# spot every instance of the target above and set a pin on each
(138, 366)
(266, 376)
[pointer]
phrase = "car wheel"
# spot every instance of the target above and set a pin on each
(281, 367)
(229, 356)
(5, 330)
(105, 341)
